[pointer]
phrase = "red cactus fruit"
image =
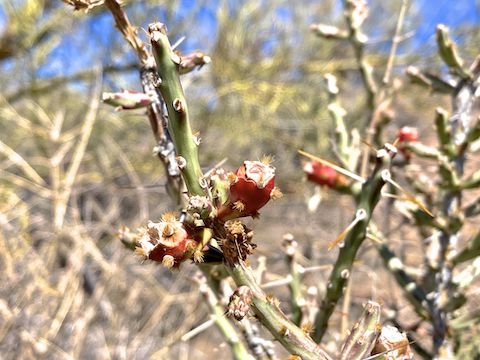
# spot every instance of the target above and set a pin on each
(166, 241)
(406, 134)
(251, 187)
(324, 175)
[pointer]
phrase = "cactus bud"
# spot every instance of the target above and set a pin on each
(166, 241)
(324, 175)
(191, 61)
(200, 207)
(251, 187)
(239, 302)
(127, 100)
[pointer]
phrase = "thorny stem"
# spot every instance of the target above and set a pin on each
(172, 92)
(341, 272)
(165, 148)
(261, 349)
(269, 314)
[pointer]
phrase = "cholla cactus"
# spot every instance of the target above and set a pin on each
(215, 203)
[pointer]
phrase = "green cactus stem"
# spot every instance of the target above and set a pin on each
(367, 201)
(172, 92)
(472, 182)
(430, 81)
(268, 313)
(449, 54)
(361, 340)
(443, 132)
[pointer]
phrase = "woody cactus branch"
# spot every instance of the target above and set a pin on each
(172, 92)
(294, 339)
(368, 199)
(128, 31)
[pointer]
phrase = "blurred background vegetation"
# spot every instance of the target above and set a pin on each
(72, 170)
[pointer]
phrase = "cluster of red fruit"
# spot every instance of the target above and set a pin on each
(172, 242)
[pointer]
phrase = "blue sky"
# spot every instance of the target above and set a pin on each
(72, 54)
